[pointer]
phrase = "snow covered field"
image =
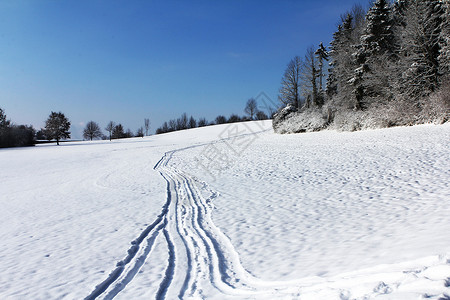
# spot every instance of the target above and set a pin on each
(230, 211)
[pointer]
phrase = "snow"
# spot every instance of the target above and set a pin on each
(305, 121)
(229, 211)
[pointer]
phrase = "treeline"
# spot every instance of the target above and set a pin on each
(12, 135)
(183, 122)
(388, 66)
(57, 128)
(115, 131)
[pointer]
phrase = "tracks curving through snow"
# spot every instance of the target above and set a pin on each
(201, 259)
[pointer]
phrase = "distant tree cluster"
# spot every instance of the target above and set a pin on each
(183, 122)
(57, 128)
(117, 131)
(12, 135)
(388, 66)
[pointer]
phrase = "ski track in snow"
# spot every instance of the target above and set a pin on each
(201, 258)
(186, 225)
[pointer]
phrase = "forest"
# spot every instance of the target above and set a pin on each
(385, 67)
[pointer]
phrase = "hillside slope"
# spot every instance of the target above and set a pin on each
(230, 211)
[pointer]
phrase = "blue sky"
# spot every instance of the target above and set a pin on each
(129, 60)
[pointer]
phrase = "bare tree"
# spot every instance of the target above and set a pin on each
(289, 92)
(172, 125)
(234, 118)
(221, 119)
(182, 122)
(260, 115)
(358, 20)
(251, 108)
(110, 128)
(57, 126)
(309, 77)
(165, 127)
(146, 125)
(128, 133)
(202, 122)
(192, 122)
(92, 131)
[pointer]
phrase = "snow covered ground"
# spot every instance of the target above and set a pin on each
(230, 212)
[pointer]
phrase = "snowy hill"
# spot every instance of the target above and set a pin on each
(232, 211)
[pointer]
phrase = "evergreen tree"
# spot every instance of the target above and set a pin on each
(322, 55)
(118, 132)
(4, 129)
(398, 12)
(57, 127)
(375, 56)
(378, 36)
(421, 41)
(332, 79)
(3, 121)
(444, 54)
(341, 80)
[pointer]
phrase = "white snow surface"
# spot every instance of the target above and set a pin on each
(232, 211)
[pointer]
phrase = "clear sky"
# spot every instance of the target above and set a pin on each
(129, 60)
